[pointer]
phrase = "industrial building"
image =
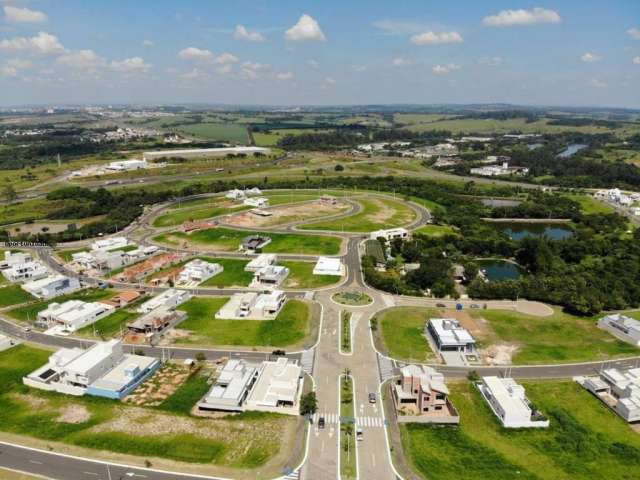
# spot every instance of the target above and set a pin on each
(127, 165)
(205, 152)
(253, 306)
(509, 403)
(103, 370)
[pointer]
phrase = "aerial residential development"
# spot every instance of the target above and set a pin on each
(357, 240)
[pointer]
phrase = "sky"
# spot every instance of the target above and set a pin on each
(322, 52)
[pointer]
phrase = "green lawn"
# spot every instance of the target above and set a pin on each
(559, 338)
(30, 312)
(179, 216)
(187, 395)
(590, 205)
(436, 230)
(249, 442)
(111, 325)
(301, 276)
(66, 255)
(376, 213)
(584, 441)
(402, 332)
(348, 464)
(229, 240)
(233, 274)
(290, 327)
(229, 132)
(13, 295)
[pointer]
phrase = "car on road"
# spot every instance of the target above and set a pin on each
(441, 305)
(26, 329)
(372, 397)
(359, 434)
(475, 305)
(321, 423)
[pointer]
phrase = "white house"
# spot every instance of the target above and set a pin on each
(253, 191)
(261, 261)
(232, 387)
(197, 271)
(111, 243)
(52, 286)
(622, 327)
(390, 234)
(509, 403)
(449, 335)
(329, 266)
(169, 299)
(15, 258)
(256, 202)
(235, 194)
(72, 315)
(103, 370)
(618, 389)
(271, 276)
(253, 306)
(19, 272)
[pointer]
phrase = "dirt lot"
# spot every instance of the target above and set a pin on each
(478, 327)
(286, 214)
(161, 386)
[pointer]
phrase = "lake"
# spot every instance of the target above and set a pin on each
(495, 270)
(518, 231)
(572, 149)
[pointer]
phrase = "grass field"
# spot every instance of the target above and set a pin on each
(111, 325)
(402, 332)
(226, 239)
(290, 327)
(377, 213)
(13, 295)
(301, 276)
(247, 441)
(229, 132)
(181, 215)
(233, 274)
(584, 441)
(558, 338)
(67, 255)
(30, 312)
(590, 205)
(436, 230)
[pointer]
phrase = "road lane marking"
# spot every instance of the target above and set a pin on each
(91, 473)
(35, 461)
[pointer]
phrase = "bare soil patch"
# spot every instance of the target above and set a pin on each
(286, 214)
(500, 354)
(478, 327)
(74, 414)
(161, 385)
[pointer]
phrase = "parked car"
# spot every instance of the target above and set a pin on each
(372, 397)
(321, 423)
(475, 305)
(441, 305)
(359, 434)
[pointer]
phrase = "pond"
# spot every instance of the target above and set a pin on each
(495, 269)
(518, 231)
(500, 202)
(572, 149)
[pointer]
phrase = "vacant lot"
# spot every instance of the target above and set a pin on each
(301, 276)
(13, 295)
(242, 441)
(225, 239)
(436, 230)
(585, 440)
(401, 330)
(110, 326)
(290, 327)
(229, 132)
(559, 338)
(377, 213)
(178, 216)
(286, 214)
(590, 205)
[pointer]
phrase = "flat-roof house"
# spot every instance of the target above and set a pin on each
(232, 387)
(20, 272)
(509, 403)
(15, 258)
(110, 243)
(253, 306)
(390, 234)
(449, 335)
(253, 191)
(197, 271)
(103, 370)
(259, 202)
(622, 327)
(329, 266)
(421, 391)
(254, 243)
(72, 315)
(235, 194)
(169, 299)
(619, 389)
(157, 320)
(261, 261)
(52, 286)
(271, 276)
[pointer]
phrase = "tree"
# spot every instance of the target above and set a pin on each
(308, 404)
(9, 193)
(339, 168)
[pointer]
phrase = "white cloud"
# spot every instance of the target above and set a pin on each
(131, 65)
(225, 69)
(636, 60)
(328, 82)
(250, 70)
(23, 15)
(241, 33)
(195, 74)
(491, 61)
(313, 64)
(445, 69)
(401, 62)
(507, 18)
(82, 60)
(196, 54)
(399, 27)
(147, 43)
(284, 76)
(432, 38)
(598, 83)
(359, 68)
(42, 44)
(590, 57)
(634, 33)
(226, 58)
(12, 67)
(306, 29)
